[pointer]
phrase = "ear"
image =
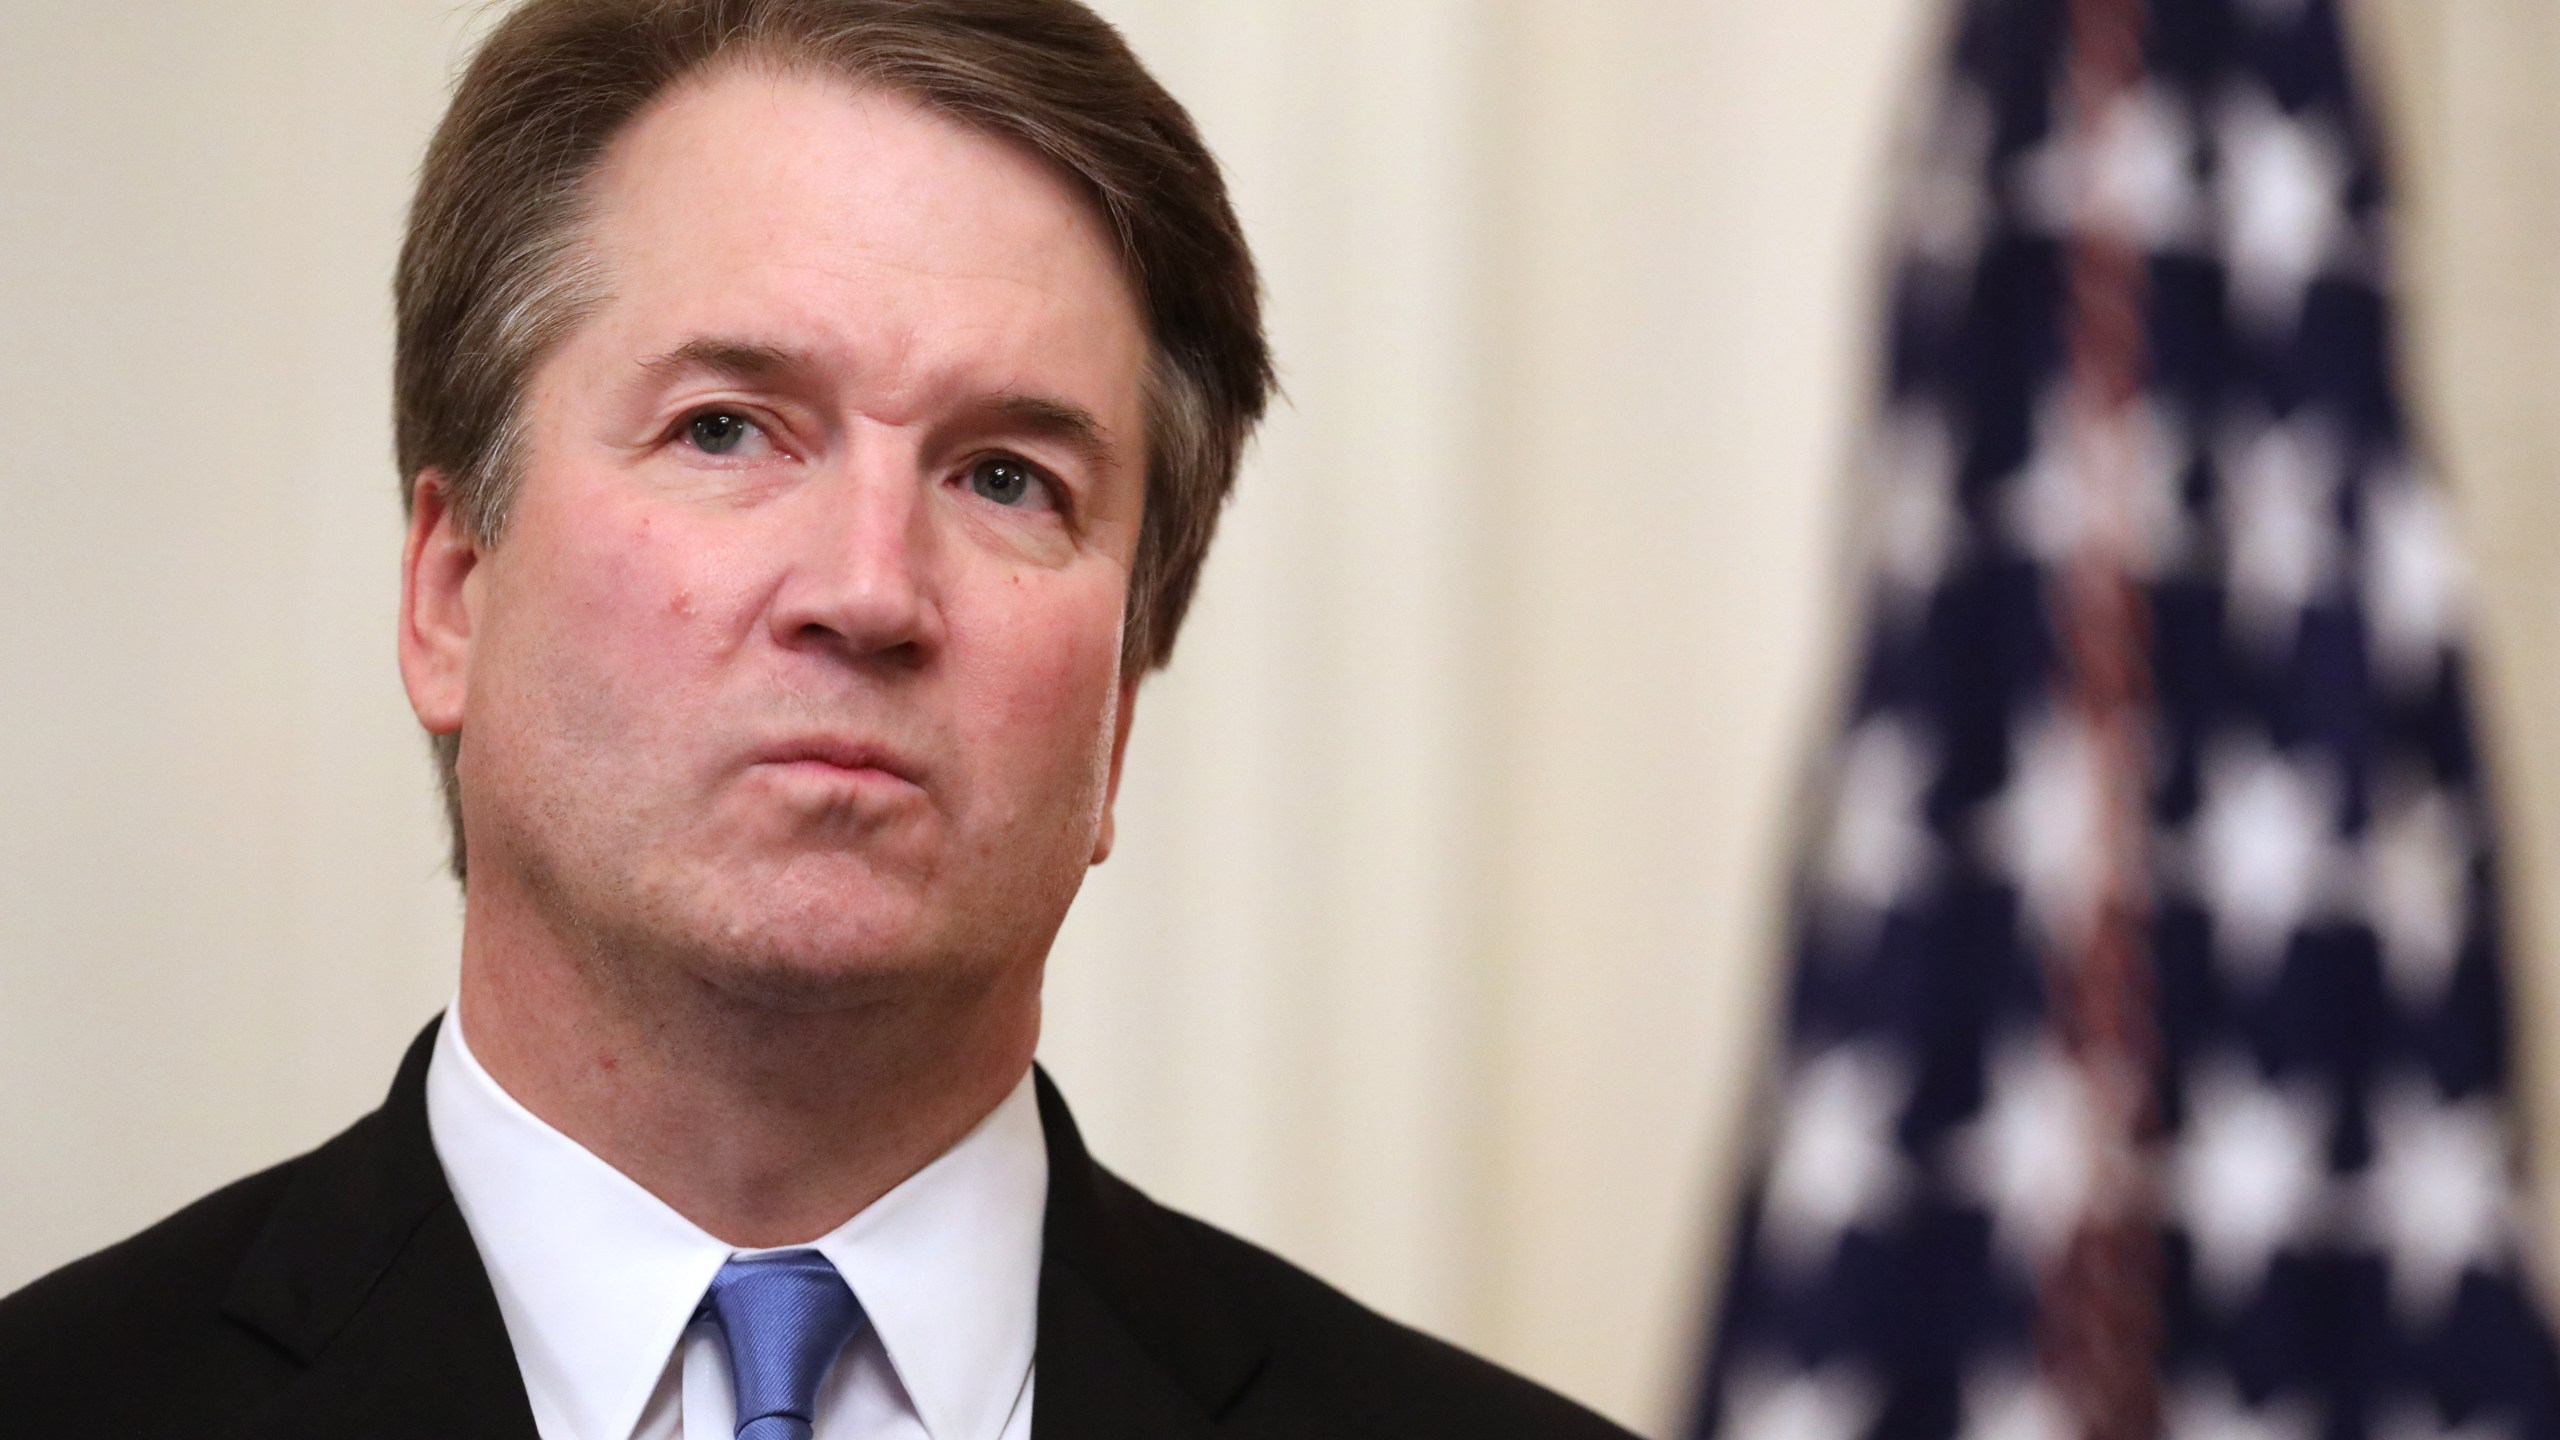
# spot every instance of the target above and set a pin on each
(437, 601)
(1119, 752)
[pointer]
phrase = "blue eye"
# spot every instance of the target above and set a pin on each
(1005, 481)
(718, 432)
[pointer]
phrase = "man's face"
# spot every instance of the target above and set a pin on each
(796, 665)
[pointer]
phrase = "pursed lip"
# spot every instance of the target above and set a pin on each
(851, 757)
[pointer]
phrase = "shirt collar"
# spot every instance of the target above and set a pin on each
(947, 1265)
(597, 1278)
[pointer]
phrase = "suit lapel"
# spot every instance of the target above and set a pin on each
(1098, 1381)
(1138, 1337)
(367, 1275)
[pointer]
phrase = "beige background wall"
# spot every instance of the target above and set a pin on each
(1436, 951)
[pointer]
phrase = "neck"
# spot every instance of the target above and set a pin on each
(765, 1125)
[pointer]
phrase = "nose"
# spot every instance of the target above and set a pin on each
(860, 577)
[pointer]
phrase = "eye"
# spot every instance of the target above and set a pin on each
(1008, 481)
(719, 432)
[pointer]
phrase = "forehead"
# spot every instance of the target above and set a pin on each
(853, 222)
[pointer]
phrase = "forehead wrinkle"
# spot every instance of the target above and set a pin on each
(919, 368)
(888, 347)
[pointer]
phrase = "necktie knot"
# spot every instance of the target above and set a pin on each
(783, 1317)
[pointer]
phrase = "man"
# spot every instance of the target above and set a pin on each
(812, 415)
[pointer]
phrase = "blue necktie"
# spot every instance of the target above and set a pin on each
(784, 1317)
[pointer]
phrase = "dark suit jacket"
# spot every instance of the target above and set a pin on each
(338, 1296)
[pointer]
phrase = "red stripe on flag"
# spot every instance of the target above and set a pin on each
(2098, 1327)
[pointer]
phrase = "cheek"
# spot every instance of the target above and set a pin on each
(1045, 687)
(605, 626)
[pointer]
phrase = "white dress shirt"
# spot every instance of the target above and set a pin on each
(599, 1280)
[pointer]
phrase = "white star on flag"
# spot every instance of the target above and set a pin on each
(1945, 209)
(2422, 1420)
(2135, 179)
(2436, 1196)
(1878, 848)
(1831, 1402)
(2417, 867)
(2028, 1158)
(2283, 192)
(2247, 1175)
(1836, 1164)
(2043, 833)
(2413, 579)
(2262, 846)
(2008, 1402)
(2280, 485)
(2045, 506)
(1913, 528)
(2206, 1409)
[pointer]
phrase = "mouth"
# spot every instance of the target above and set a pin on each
(827, 758)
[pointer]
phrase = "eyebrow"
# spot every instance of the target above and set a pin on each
(738, 359)
(752, 361)
(1056, 420)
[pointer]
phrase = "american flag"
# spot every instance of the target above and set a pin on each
(2145, 1054)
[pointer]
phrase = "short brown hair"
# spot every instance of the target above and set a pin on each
(492, 273)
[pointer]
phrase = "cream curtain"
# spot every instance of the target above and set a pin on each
(1437, 952)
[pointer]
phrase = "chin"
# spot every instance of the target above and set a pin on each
(814, 959)
(794, 987)
(795, 975)
(804, 938)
